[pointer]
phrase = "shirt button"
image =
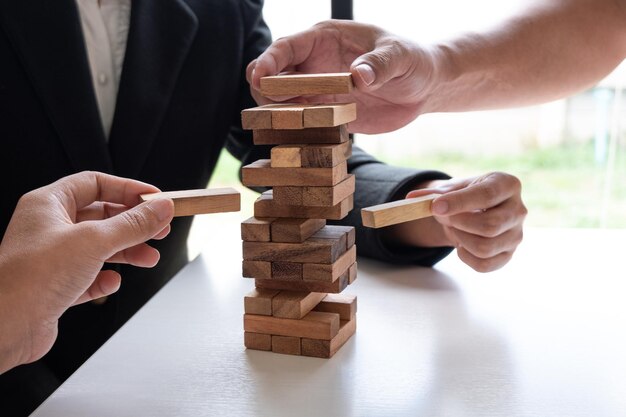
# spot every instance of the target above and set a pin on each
(102, 78)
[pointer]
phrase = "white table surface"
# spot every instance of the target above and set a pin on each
(544, 336)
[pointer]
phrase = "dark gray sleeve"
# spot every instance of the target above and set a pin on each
(377, 183)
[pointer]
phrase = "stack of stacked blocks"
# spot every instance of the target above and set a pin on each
(299, 263)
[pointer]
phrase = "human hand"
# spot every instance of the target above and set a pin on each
(481, 216)
(393, 76)
(58, 240)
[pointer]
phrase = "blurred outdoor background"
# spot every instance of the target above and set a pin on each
(569, 154)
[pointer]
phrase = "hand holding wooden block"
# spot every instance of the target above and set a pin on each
(399, 211)
(307, 84)
(191, 202)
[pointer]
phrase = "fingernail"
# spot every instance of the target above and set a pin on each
(366, 73)
(162, 207)
(439, 207)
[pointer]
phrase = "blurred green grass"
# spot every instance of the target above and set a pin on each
(563, 186)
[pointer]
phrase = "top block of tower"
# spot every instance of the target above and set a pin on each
(307, 84)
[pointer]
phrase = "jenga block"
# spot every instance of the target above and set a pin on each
(329, 115)
(257, 341)
(191, 202)
(327, 272)
(287, 345)
(334, 287)
(352, 273)
(331, 231)
(295, 304)
(327, 348)
(344, 305)
(310, 156)
(306, 84)
(291, 117)
(311, 250)
(259, 301)
(315, 325)
(290, 271)
(256, 229)
(256, 118)
(399, 211)
(295, 230)
(266, 206)
(315, 196)
(260, 174)
(258, 269)
(320, 135)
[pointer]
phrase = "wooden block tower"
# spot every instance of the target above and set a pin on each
(299, 263)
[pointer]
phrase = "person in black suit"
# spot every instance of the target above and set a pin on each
(181, 90)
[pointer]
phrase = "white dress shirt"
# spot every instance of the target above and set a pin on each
(105, 26)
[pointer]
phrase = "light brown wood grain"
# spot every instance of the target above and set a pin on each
(315, 325)
(334, 287)
(311, 250)
(328, 272)
(352, 273)
(256, 229)
(204, 201)
(266, 206)
(258, 269)
(256, 118)
(295, 230)
(329, 115)
(315, 196)
(295, 304)
(310, 156)
(320, 135)
(261, 174)
(290, 271)
(344, 305)
(398, 211)
(259, 301)
(257, 341)
(306, 84)
(327, 348)
(287, 345)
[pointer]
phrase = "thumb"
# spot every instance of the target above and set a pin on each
(135, 226)
(372, 70)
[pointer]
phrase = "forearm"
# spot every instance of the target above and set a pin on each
(12, 331)
(550, 51)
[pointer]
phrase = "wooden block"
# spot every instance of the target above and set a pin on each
(329, 115)
(327, 348)
(315, 196)
(397, 211)
(257, 341)
(258, 269)
(344, 305)
(295, 230)
(287, 345)
(266, 206)
(191, 202)
(261, 174)
(320, 135)
(352, 273)
(327, 272)
(334, 287)
(315, 325)
(295, 304)
(256, 229)
(325, 251)
(310, 156)
(259, 301)
(256, 118)
(289, 271)
(331, 231)
(306, 84)
(288, 117)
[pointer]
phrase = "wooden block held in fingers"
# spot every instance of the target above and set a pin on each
(287, 345)
(192, 202)
(295, 304)
(256, 229)
(259, 301)
(398, 211)
(257, 341)
(266, 206)
(315, 325)
(289, 271)
(306, 84)
(334, 287)
(320, 135)
(315, 196)
(328, 272)
(328, 115)
(311, 250)
(327, 348)
(257, 269)
(261, 174)
(344, 305)
(295, 230)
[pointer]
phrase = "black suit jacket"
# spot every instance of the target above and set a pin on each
(181, 93)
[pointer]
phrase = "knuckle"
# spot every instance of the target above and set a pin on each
(136, 221)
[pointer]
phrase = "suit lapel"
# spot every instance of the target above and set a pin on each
(48, 38)
(161, 33)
